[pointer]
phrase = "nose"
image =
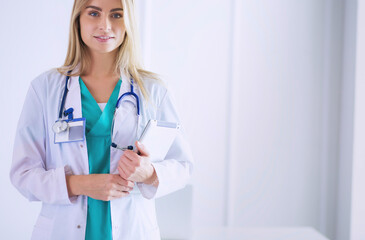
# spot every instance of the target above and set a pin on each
(104, 24)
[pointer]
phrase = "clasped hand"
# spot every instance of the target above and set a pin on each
(134, 167)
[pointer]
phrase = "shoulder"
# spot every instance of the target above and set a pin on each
(48, 81)
(156, 89)
(49, 77)
(47, 85)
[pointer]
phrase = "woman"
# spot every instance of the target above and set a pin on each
(88, 189)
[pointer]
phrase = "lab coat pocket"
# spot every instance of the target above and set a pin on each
(42, 229)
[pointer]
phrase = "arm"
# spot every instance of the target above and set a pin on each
(175, 170)
(29, 173)
(28, 170)
(104, 187)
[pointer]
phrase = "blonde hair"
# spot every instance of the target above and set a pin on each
(128, 58)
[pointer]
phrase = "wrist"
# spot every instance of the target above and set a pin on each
(75, 184)
(153, 179)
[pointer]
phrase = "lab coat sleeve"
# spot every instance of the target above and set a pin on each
(175, 170)
(29, 173)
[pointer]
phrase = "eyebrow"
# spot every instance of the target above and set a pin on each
(99, 9)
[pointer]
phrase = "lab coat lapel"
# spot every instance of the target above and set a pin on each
(73, 99)
(124, 124)
(126, 88)
(123, 112)
(79, 149)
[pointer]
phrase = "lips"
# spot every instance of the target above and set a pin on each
(104, 37)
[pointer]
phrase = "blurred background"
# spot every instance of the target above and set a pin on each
(271, 93)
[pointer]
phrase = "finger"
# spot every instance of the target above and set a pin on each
(128, 169)
(127, 174)
(126, 183)
(119, 194)
(122, 188)
(127, 157)
(142, 149)
(116, 186)
(124, 161)
(132, 158)
(122, 173)
(126, 189)
(123, 182)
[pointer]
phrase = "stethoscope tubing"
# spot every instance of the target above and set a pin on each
(132, 93)
(64, 95)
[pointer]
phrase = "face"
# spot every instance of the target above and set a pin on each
(102, 26)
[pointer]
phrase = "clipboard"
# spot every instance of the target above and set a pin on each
(158, 137)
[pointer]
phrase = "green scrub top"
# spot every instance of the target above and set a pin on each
(98, 140)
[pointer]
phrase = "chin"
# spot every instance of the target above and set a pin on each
(103, 50)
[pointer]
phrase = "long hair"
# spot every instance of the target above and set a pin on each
(128, 58)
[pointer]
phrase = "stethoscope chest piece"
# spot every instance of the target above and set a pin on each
(59, 126)
(72, 130)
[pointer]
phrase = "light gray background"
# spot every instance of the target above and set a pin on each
(265, 89)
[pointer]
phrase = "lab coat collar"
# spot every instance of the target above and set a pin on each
(74, 95)
(74, 80)
(126, 87)
(73, 99)
(126, 84)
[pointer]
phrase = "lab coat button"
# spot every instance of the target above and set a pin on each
(81, 145)
(78, 226)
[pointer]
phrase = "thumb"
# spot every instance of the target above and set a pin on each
(142, 149)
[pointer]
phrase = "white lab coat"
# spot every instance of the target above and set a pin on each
(39, 166)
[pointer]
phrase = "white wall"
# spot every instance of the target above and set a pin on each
(343, 219)
(275, 154)
(33, 39)
(257, 84)
(276, 119)
(331, 112)
(189, 47)
(358, 176)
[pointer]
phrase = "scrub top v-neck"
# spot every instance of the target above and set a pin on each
(98, 140)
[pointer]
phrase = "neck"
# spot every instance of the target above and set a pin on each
(102, 65)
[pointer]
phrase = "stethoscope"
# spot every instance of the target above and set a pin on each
(61, 125)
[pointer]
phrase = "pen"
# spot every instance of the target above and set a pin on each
(123, 149)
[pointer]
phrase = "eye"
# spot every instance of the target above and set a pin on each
(94, 14)
(117, 15)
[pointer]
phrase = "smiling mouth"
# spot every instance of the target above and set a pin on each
(103, 37)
